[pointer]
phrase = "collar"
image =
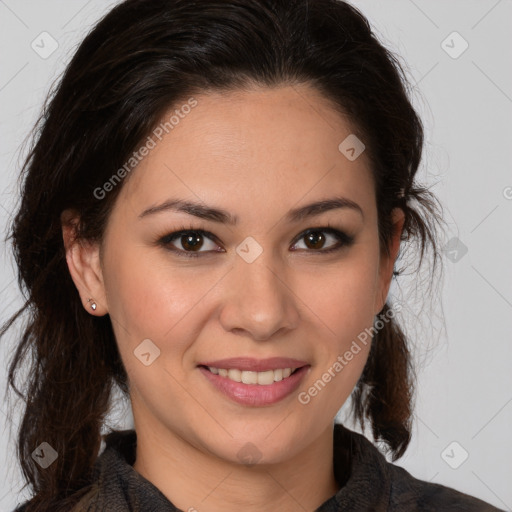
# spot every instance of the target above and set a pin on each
(360, 469)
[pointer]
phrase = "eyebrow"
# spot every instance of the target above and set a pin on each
(223, 217)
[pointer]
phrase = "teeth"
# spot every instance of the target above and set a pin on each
(265, 378)
(249, 377)
(235, 375)
(262, 378)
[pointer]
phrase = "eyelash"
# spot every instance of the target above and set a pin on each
(166, 241)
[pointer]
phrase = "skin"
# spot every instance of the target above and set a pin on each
(256, 154)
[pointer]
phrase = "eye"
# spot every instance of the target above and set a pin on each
(315, 239)
(191, 243)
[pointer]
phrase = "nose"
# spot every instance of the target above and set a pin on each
(258, 300)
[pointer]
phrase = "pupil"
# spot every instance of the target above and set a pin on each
(192, 241)
(316, 239)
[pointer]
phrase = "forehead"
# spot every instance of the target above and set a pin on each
(263, 147)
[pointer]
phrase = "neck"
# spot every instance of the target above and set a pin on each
(194, 480)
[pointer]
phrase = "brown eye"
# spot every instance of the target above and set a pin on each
(191, 242)
(316, 238)
(194, 242)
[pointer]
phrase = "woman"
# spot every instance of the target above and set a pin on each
(210, 220)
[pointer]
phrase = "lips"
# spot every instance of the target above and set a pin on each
(256, 395)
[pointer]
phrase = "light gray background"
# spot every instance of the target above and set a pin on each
(465, 383)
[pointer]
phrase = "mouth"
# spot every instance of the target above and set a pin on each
(265, 378)
(255, 382)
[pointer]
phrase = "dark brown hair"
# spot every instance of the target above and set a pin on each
(142, 58)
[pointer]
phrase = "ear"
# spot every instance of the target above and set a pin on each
(387, 262)
(83, 259)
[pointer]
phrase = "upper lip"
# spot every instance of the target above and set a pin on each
(255, 365)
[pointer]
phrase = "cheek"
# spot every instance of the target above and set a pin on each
(155, 312)
(150, 300)
(342, 295)
(341, 313)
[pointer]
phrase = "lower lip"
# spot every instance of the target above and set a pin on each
(256, 395)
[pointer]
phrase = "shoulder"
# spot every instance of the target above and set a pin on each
(381, 485)
(86, 503)
(409, 493)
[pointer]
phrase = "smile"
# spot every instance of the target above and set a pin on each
(265, 378)
(255, 388)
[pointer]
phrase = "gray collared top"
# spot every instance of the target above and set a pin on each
(368, 482)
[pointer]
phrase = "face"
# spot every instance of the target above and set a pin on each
(257, 288)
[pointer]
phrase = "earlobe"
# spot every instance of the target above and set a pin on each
(387, 263)
(92, 304)
(83, 260)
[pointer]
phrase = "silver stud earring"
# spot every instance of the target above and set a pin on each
(93, 304)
